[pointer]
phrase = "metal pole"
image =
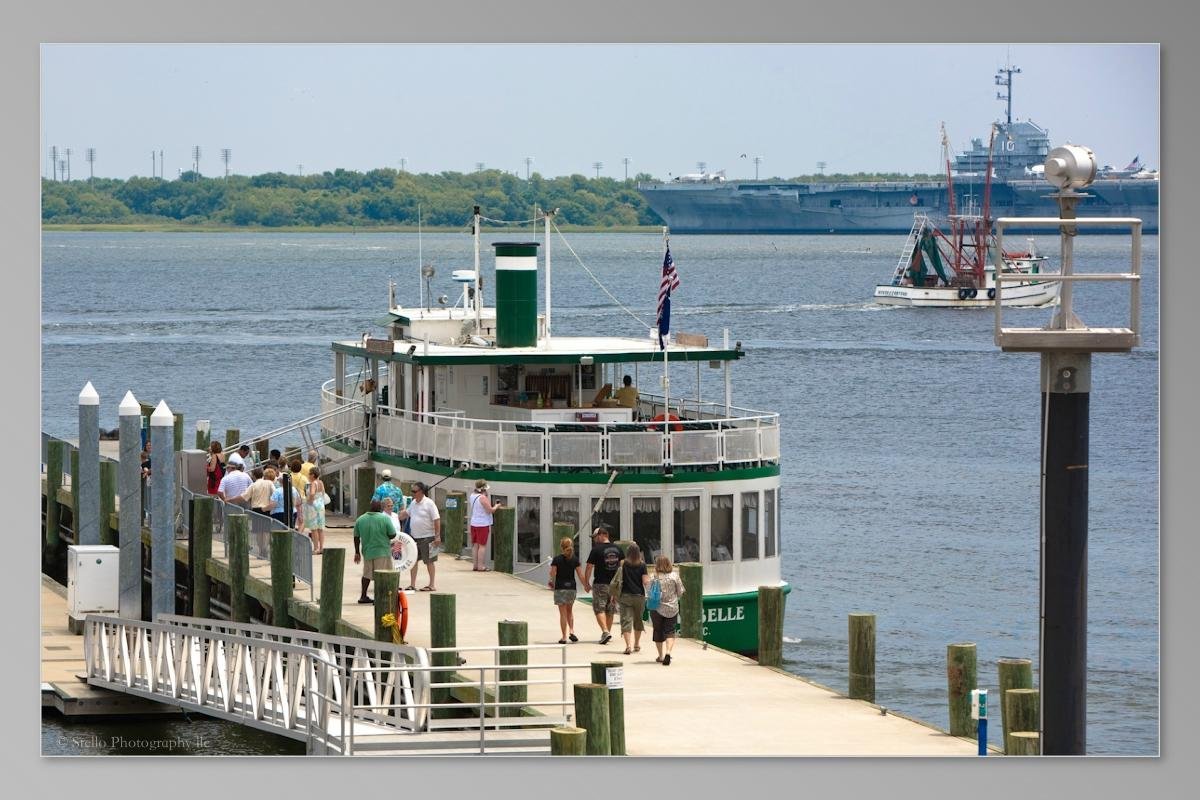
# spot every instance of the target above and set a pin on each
(162, 511)
(129, 526)
(728, 385)
(478, 281)
(85, 483)
(549, 216)
(1066, 392)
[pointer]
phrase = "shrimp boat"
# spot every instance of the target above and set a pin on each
(958, 269)
(469, 391)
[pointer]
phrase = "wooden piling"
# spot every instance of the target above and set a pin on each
(364, 487)
(512, 632)
(1015, 673)
(1021, 711)
(960, 680)
(108, 501)
(178, 432)
(691, 603)
(333, 562)
(281, 578)
(453, 519)
(770, 626)
(616, 705)
(564, 530)
(237, 551)
(1025, 743)
(263, 448)
(591, 712)
(202, 529)
(387, 583)
(232, 437)
(203, 439)
(52, 544)
(862, 657)
(75, 495)
(568, 741)
(442, 633)
(504, 534)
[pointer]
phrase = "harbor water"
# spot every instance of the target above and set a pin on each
(910, 444)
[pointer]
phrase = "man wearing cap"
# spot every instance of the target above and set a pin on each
(425, 527)
(388, 489)
(234, 484)
(604, 559)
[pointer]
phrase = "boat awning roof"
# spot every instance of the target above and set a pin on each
(558, 350)
(391, 318)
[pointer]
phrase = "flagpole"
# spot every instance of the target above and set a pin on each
(666, 380)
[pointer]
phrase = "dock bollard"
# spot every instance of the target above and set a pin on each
(591, 712)
(364, 488)
(452, 523)
(232, 437)
(162, 512)
(691, 604)
(1021, 710)
(203, 435)
(75, 495)
(263, 448)
(1015, 673)
(1026, 743)
(281, 578)
(333, 563)
(202, 528)
(862, 657)
(237, 552)
(612, 675)
(178, 433)
(52, 543)
(85, 481)
(504, 534)
(960, 680)
(387, 583)
(129, 509)
(511, 632)
(568, 741)
(770, 626)
(442, 633)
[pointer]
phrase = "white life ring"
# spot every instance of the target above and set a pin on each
(408, 553)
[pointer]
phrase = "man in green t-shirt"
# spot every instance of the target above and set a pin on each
(373, 531)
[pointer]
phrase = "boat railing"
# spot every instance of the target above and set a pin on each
(703, 437)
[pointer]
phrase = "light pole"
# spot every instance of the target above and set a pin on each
(821, 167)
(757, 161)
(597, 165)
(625, 161)
(528, 161)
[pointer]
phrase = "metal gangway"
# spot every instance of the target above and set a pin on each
(346, 423)
(340, 695)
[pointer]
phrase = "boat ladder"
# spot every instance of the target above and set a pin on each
(910, 245)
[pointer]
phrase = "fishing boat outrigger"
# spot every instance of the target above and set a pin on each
(469, 391)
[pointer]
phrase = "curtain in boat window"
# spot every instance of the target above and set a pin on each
(686, 528)
(721, 527)
(749, 525)
(647, 525)
(529, 529)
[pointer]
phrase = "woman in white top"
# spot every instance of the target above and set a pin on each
(482, 509)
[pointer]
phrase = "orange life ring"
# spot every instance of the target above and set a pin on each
(664, 418)
(402, 607)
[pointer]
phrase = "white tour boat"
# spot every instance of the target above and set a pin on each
(468, 391)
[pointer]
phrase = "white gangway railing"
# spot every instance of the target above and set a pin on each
(707, 435)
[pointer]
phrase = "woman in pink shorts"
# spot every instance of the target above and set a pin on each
(482, 509)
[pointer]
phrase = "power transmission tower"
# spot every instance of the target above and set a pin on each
(479, 166)
(54, 162)
(528, 161)
(91, 159)
(625, 161)
(226, 155)
(195, 162)
(757, 161)
(403, 164)
(597, 165)
(68, 152)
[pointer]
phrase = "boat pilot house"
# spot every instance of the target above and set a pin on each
(473, 391)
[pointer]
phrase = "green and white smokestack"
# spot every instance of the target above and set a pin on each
(516, 294)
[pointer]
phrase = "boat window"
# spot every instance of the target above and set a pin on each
(529, 529)
(687, 528)
(769, 528)
(608, 516)
(721, 527)
(566, 510)
(647, 525)
(749, 525)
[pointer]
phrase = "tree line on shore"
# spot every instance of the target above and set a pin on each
(346, 198)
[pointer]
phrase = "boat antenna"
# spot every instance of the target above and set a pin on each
(478, 279)
(1004, 78)
(420, 261)
(949, 176)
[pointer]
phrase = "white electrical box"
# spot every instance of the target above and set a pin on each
(93, 579)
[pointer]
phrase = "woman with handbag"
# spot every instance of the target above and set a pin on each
(663, 602)
(314, 510)
(632, 580)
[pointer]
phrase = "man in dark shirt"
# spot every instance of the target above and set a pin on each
(604, 560)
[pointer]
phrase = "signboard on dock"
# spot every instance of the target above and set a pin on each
(614, 677)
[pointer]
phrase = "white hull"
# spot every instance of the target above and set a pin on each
(1028, 295)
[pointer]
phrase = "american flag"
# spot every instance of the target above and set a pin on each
(670, 282)
(1134, 165)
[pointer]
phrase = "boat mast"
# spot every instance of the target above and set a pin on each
(420, 261)
(549, 215)
(478, 280)
(1007, 71)
(666, 378)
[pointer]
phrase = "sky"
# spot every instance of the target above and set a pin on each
(450, 107)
